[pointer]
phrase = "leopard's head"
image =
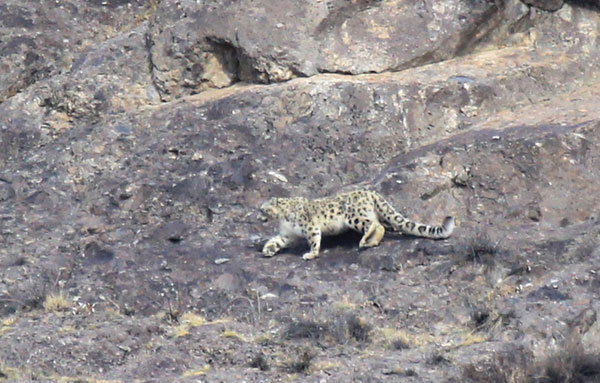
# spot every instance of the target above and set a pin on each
(270, 210)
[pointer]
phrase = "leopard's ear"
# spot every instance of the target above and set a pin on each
(270, 203)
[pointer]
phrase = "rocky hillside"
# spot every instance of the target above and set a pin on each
(138, 138)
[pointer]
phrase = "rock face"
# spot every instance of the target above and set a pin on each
(552, 5)
(137, 140)
(217, 44)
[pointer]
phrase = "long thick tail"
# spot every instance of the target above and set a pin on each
(398, 222)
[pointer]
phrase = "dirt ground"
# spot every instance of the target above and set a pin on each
(129, 194)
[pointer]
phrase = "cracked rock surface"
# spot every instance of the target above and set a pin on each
(139, 138)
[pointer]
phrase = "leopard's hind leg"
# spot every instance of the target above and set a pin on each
(373, 235)
(313, 235)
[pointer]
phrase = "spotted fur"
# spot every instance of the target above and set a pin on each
(362, 210)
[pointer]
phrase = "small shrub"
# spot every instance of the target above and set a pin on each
(305, 330)
(511, 366)
(358, 328)
(259, 361)
(479, 317)
(437, 358)
(20, 261)
(485, 373)
(399, 344)
(480, 249)
(303, 364)
(28, 295)
(571, 365)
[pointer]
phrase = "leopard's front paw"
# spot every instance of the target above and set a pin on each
(270, 250)
(309, 256)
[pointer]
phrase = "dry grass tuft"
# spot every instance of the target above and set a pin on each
(345, 305)
(234, 335)
(397, 339)
(7, 323)
(197, 372)
(56, 302)
(194, 320)
(472, 338)
(150, 9)
(187, 321)
(180, 330)
(326, 365)
(10, 374)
